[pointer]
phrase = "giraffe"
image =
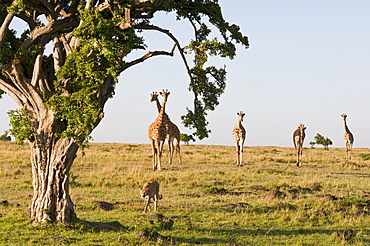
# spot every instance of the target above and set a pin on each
(239, 134)
(172, 131)
(298, 138)
(157, 133)
(348, 138)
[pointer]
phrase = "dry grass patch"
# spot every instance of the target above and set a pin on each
(208, 200)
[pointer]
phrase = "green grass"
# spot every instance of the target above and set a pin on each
(208, 200)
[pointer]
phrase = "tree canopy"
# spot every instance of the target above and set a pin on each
(62, 94)
(186, 138)
(320, 139)
(90, 44)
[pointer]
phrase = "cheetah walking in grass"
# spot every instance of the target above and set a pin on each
(150, 191)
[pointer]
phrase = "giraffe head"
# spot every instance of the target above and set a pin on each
(241, 115)
(164, 94)
(344, 116)
(153, 97)
(301, 127)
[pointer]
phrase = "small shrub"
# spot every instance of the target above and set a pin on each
(72, 179)
(5, 137)
(365, 157)
(216, 190)
(352, 165)
(166, 224)
(280, 172)
(348, 202)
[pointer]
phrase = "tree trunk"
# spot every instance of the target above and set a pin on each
(52, 159)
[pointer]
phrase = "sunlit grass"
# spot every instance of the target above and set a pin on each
(208, 200)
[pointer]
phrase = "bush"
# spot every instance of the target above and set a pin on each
(5, 137)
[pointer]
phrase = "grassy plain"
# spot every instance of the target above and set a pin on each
(208, 200)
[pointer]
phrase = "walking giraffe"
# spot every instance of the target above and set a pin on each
(157, 133)
(298, 138)
(239, 137)
(172, 131)
(348, 138)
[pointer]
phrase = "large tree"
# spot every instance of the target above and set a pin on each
(61, 94)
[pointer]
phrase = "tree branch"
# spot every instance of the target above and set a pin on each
(41, 6)
(103, 6)
(67, 47)
(30, 22)
(12, 92)
(52, 27)
(146, 56)
(221, 22)
(39, 80)
(168, 33)
(5, 25)
(57, 53)
(23, 91)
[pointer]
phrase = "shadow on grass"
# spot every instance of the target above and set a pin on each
(353, 174)
(235, 236)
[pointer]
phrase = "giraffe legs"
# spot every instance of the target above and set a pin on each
(299, 160)
(160, 147)
(299, 155)
(157, 147)
(178, 150)
(348, 151)
(239, 154)
(154, 152)
(171, 149)
(298, 144)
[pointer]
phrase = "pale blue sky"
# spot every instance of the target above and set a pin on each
(308, 61)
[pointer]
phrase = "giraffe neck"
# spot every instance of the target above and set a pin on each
(162, 111)
(239, 124)
(303, 134)
(165, 116)
(345, 126)
(158, 104)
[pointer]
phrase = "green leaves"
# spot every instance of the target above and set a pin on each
(20, 126)
(82, 91)
(90, 46)
(208, 82)
(80, 110)
(320, 139)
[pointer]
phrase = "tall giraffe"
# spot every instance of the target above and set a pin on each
(298, 138)
(348, 138)
(172, 131)
(157, 133)
(239, 134)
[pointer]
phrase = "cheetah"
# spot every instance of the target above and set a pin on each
(150, 190)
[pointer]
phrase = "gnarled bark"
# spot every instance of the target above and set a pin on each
(51, 162)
